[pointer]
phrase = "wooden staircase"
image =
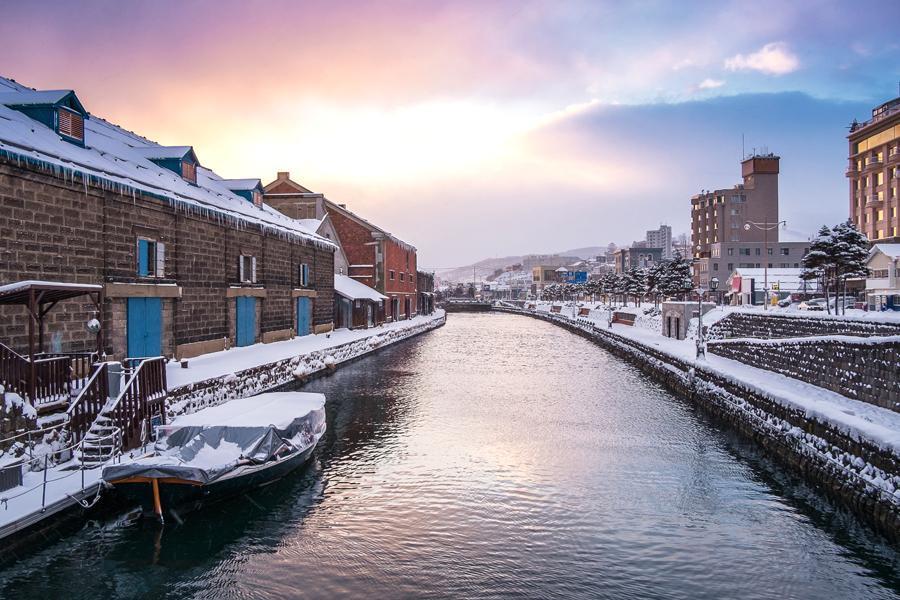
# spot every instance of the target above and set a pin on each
(122, 423)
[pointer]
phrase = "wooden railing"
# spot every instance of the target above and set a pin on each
(55, 375)
(143, 397)
(87, 406)
(14, 371)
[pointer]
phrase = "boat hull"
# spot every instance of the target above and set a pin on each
(179, 497)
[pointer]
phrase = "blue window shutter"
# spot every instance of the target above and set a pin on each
(143, 258)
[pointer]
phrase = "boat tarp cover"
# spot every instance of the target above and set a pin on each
(204, 453)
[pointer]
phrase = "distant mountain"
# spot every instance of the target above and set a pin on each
(486, 267)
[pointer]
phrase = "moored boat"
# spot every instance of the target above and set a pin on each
(221, 451)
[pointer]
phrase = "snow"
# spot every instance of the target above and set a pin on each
(859, 419)
(226, 362)
(242, 184)
(13, 400)
(27, 97)
(354, 290)
(160, 152)
(21, 285)
(278, 409)
(891, 250)
(25, 500)
(117, 159)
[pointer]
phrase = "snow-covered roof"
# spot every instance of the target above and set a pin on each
(243, 184)
(311, 224)
(278, 409)
(116, 159)
(163, 152)
(28, 97)
(891, 250)
(354, 290)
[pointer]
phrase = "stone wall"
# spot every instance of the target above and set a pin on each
(861, 368)
(63, 229)
(768, 326)
(851, 470)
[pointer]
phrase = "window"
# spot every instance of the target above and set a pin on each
(189, 171)
(730, 267)
(769, 251)
(391, 273)
(247, 269)
(785, 251)
(880, 215)
(879, 274)
(151, 258)
(257, 198)
(401, 277)
(758, 252)
(731, 252)
(303, 275)
(744, 251)
(715, 266)
(71, 124)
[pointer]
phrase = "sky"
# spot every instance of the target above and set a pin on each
(483, 129)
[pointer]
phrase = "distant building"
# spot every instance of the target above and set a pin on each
(425, 288)
(883, 282)
(626, 258)
(748, 285)
(720, 216)
(661, 238)
(874, 173)
(725, 257)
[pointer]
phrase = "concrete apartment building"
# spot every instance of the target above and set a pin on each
(661, 238)
(718, 220)
(874, 173)
(726, 257)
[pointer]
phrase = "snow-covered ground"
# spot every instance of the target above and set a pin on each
(878, 425)
(218, 364)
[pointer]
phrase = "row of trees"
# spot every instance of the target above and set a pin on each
(836, 255)
(664, 279)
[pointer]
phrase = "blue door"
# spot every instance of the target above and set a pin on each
(144, 328)
(304, 316)
(246, 320)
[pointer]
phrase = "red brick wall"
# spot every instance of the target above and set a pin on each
(400, 259)
(54, 229)
(356, 240)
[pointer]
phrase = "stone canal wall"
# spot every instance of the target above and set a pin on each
(848, 468)
(769, 326)
(263, 378)
(859, 368)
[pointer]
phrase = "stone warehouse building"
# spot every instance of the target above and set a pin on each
(372, 255)
(189, 262)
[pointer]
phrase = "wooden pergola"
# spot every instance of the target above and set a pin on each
(39, 298)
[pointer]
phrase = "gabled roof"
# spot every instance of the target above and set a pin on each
(890, 250)
(116, 159)
(283, 180)
(167, 152)
(243, 184)
(42, 98)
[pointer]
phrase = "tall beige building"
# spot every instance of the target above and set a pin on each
(718, 217)
(874, 173)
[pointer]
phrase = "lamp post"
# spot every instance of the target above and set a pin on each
(765, 227)
(701, 349)
(713, 287)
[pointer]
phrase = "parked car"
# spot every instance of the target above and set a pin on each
(784, 303)
(813, 304)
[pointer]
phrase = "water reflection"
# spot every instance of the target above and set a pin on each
(496, 457)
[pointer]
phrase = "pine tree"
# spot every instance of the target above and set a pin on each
(851, 249)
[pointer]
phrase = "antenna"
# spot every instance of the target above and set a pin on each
(743, 152)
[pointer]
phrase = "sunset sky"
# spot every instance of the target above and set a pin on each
(478, 129)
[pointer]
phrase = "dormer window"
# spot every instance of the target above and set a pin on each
(257, 198)
(250, 190)
(178, 159)
(70, 124)
(60, 110)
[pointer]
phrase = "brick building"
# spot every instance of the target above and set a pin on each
(874, 173)
(189, 262)
(373, 256)
(720, 217)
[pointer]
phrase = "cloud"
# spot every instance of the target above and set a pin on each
(772, 59)
(711, 84)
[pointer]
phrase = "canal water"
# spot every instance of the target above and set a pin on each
(498, 456)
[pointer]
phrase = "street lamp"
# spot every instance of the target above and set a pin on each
(765, 227)
(714, 286)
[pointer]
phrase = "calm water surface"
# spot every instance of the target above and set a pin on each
(496, 457)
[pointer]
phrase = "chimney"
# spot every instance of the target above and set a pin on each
(283, 175)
